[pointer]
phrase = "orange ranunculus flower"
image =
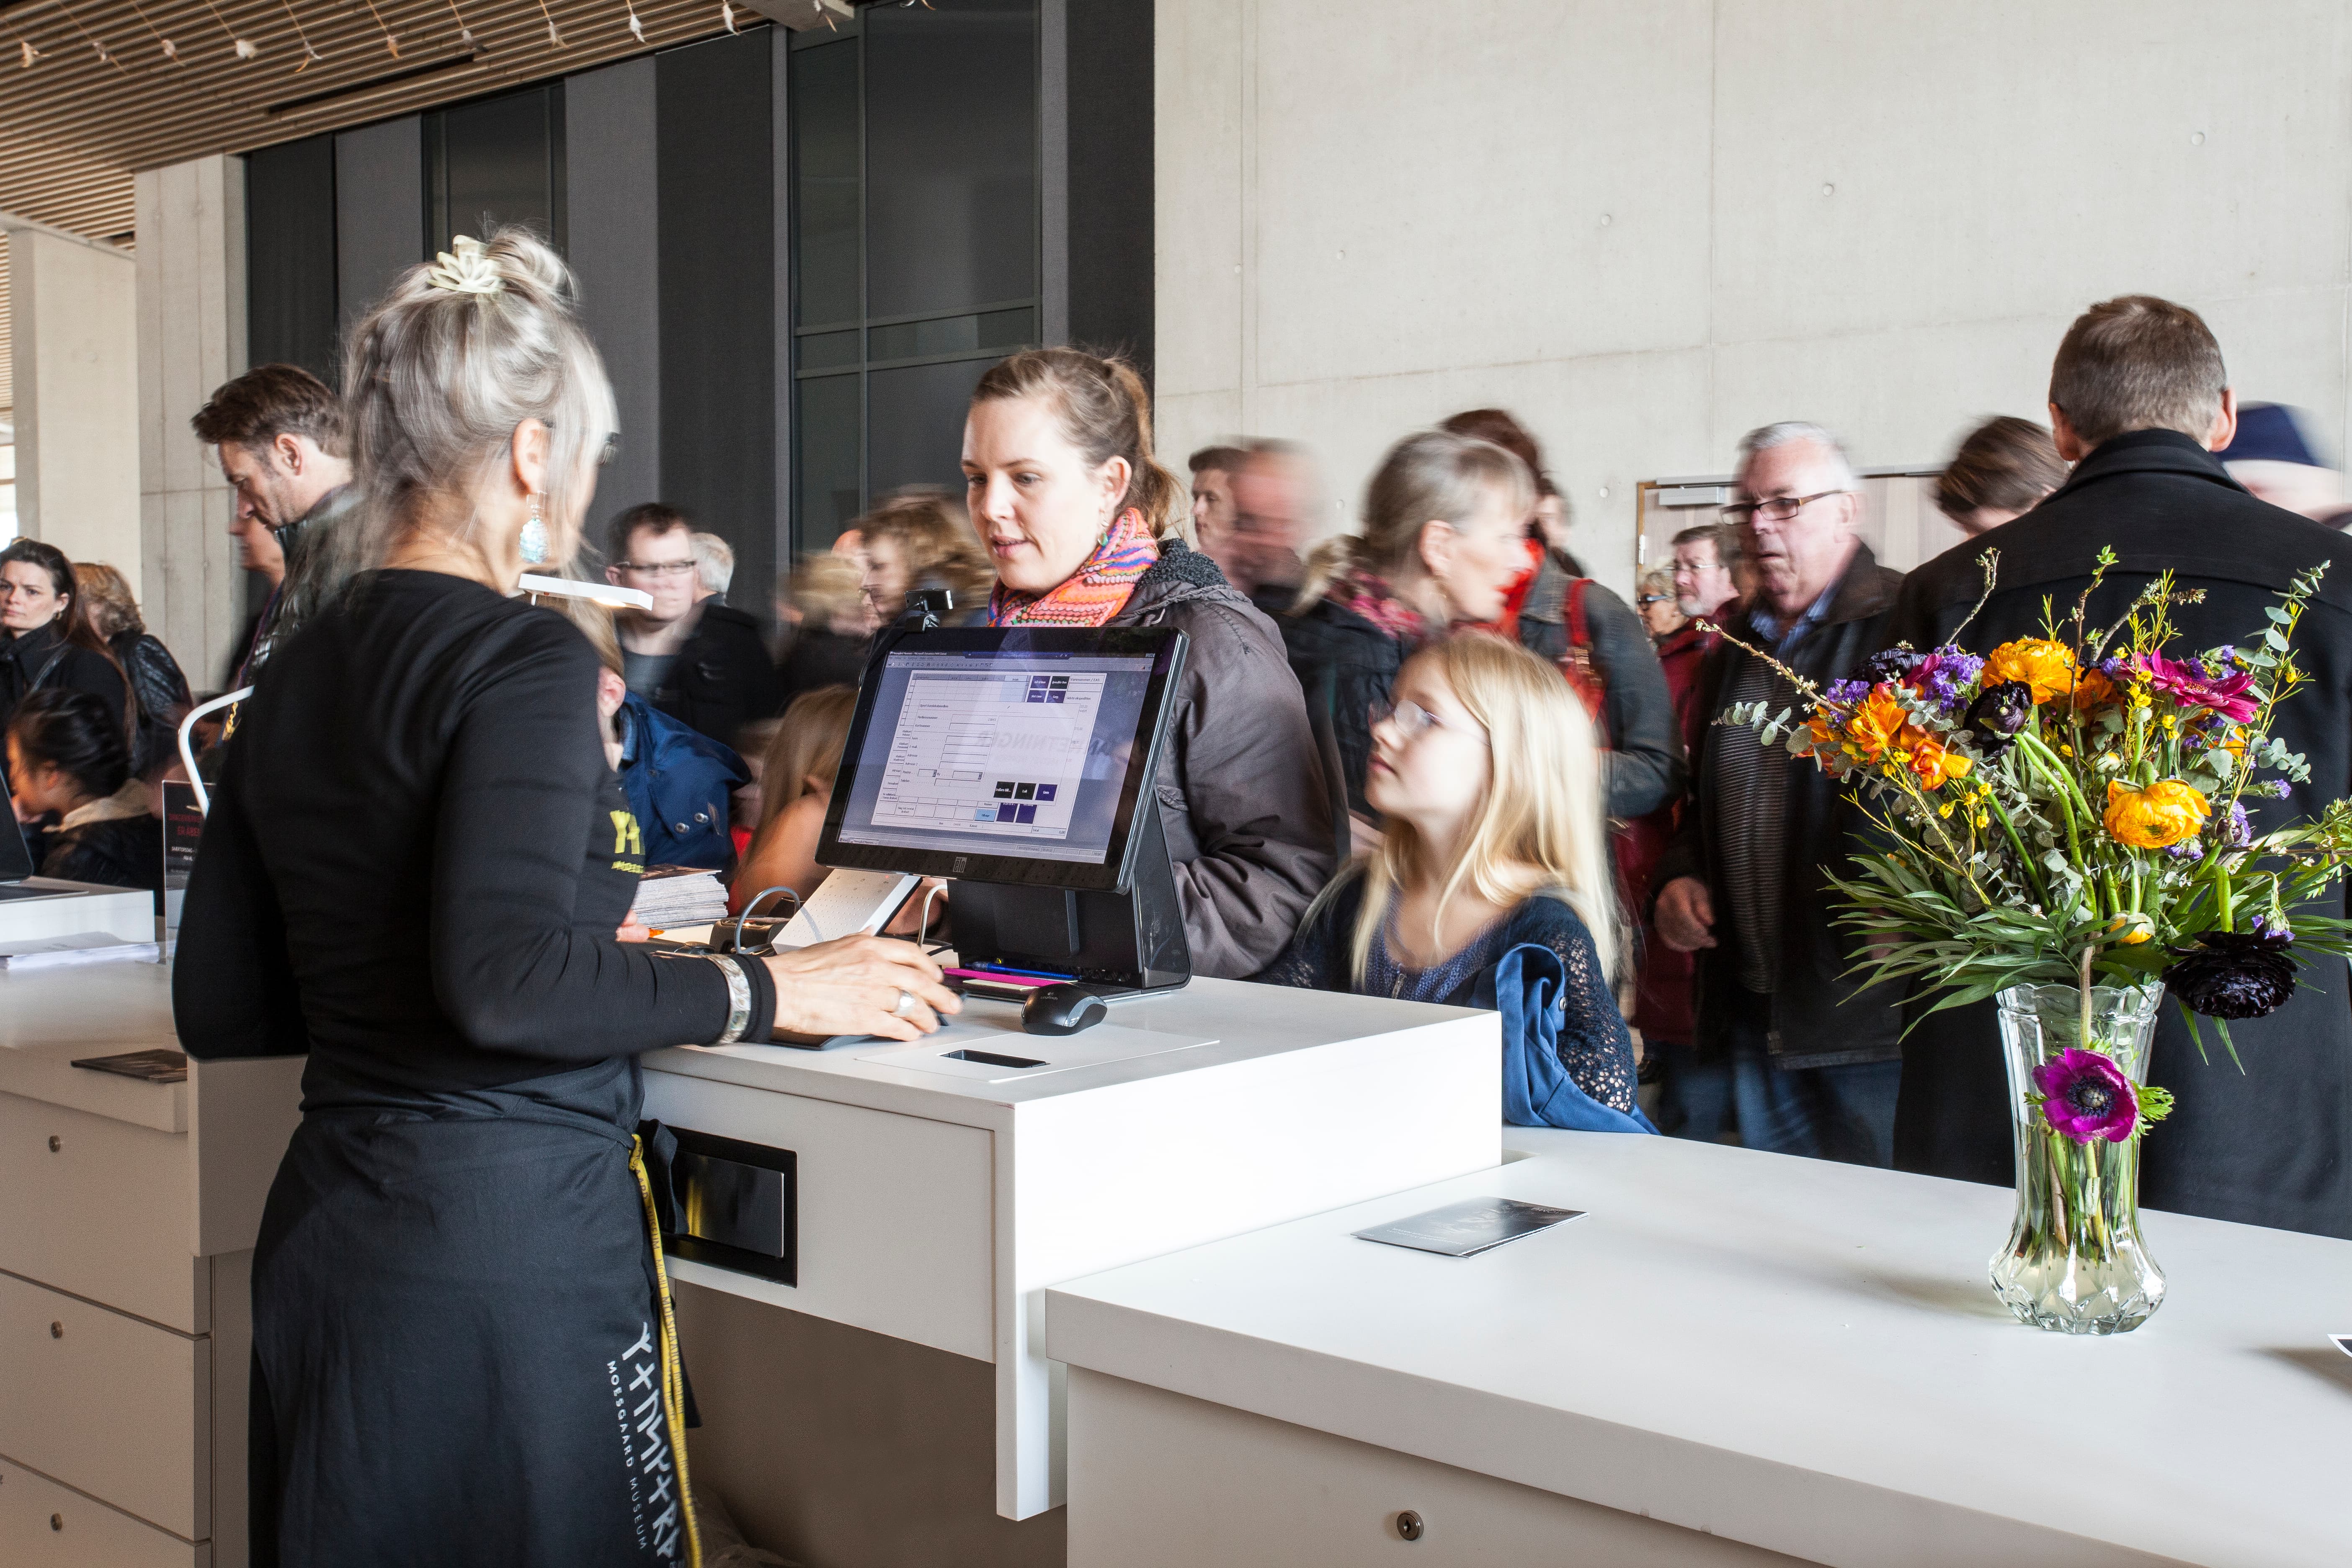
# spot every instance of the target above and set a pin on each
(1931, 762)
(2093, 690)
(2166, 813)
(2047, 667)
(1876, 726)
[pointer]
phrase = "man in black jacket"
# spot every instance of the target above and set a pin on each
(699, 660)
(1808, 1062)
(2139, 401)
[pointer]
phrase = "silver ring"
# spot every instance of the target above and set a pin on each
(905, 1004)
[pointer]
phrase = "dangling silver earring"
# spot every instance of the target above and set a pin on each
(534, 536)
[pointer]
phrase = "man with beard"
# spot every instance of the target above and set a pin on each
(1804, 1060)
(2140, 402)
(278, 434)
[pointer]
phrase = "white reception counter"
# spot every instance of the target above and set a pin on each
(1732, 1358)
(892, 1406)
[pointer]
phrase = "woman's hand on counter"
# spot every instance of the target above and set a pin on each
(851, 986)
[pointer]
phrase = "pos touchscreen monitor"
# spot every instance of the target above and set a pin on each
(1022, 755)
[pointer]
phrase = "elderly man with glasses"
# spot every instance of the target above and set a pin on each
(1786, 1048)
(693, 656)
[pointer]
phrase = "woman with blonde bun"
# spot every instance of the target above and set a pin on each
(414, 869)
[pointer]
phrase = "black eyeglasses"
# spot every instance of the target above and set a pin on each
(1775, 508)
(1656, 599)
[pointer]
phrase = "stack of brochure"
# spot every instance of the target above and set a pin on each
(79, 948)
(679, 896)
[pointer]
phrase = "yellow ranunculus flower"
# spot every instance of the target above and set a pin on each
(2047, 667)
(2166, 813)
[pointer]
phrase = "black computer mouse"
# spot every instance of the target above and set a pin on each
(1062, 1010)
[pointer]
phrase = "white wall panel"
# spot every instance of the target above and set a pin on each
(1990, 170)
(191, 311)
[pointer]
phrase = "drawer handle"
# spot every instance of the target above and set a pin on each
(56, 1522)
(56, 1143)
(57, 1330)
(1408, 1525)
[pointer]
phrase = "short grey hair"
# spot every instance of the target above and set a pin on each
(1787, 431)
(714, 563)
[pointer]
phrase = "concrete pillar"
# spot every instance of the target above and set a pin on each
(77, 356)
(192, 304)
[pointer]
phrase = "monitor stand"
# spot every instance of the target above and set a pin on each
(1115, 943)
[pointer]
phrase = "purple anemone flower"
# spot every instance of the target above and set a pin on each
(2084, 1096)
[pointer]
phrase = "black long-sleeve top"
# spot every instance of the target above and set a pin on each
(417, 856)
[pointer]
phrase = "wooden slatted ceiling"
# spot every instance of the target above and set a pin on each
(73, 125)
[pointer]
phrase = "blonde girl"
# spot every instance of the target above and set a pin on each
(1492, 886)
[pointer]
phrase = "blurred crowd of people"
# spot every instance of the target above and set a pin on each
(1361, 790)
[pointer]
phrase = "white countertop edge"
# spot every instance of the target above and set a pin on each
(1808, 1514)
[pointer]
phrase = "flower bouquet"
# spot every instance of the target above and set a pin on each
(2060, 825)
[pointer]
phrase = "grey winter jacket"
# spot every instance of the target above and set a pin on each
(1241, 786)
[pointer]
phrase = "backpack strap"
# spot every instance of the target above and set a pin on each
(1583, 676)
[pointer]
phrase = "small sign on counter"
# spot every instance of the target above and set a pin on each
(1463, 1230)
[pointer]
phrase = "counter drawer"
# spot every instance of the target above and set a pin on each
(45, 1525)
(100, 1208)
(115, 1407)
(895, 1213)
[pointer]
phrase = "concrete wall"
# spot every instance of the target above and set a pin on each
(191, 319)
(1647, 229)
(76, 398)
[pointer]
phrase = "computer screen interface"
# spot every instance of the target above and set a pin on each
(1005, 752)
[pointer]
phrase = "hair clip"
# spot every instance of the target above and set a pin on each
(469, 271)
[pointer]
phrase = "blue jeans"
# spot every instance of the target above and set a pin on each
(1826, 1113)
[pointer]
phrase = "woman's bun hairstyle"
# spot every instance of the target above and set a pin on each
(440, 371)
(1105, 412)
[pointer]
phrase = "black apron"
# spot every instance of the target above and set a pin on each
(462, 1347)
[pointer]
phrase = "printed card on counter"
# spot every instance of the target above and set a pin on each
(1463, 1230)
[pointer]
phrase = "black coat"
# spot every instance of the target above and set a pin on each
(1342, 659)
(2272, 1145)
(114, 852)
(723, 678)
(161, 691)
(42, 660)
(817, 659)
(1819, 1017)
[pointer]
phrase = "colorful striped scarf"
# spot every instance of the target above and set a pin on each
(1092, 593)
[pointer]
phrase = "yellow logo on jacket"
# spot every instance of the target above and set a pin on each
(628, 843)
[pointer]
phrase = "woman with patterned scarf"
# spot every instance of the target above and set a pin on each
(1085, 529)
(1441, 546)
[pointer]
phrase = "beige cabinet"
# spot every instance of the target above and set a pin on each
(125, 1278)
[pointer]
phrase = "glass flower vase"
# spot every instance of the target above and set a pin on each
(2075, 1263)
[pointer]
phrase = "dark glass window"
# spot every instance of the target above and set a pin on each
(914, 228)
(496, 161)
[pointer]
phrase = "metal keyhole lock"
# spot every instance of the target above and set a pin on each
(56, 1143)
(1408, 1525)
(57, 1330)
